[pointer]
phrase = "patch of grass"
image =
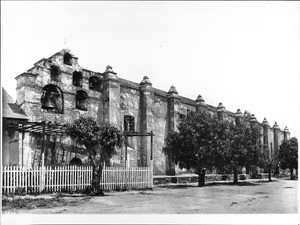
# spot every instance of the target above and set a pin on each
(29, 203)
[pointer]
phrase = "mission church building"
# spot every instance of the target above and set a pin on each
(57, 90)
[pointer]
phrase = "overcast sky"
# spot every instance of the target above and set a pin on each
(243, 54)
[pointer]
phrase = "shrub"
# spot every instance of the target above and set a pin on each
(242, 177)
(225, 177)
(20, 191)
(87, 190)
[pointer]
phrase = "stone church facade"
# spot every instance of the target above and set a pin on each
(58, 90)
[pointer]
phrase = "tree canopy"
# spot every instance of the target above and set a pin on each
(203, 141)
(288, 155)
(245, 148)
(197, 142)
(100, 142)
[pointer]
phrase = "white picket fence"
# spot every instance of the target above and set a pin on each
(122, 178)
(72, 178)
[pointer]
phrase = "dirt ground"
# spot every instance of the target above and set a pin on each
(253, 198)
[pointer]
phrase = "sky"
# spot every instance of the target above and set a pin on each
(243, 54)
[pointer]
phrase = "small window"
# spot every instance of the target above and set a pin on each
(52, 99)
(67, 59)
(54, 72)
(95, 83)
(77, 79)
(81, 100)
(129, 123)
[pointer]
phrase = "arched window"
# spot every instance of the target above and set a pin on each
(81, 100)
(54, 72)
(95, 83)
(67, 59)
(76, 162)
(52, 99)
(129, 125)
(77, 79)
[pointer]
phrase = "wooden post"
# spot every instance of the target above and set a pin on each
(42, 186)
(126, 143)
(22, 145)
(126, 160)
(151, 161)
(43, 144)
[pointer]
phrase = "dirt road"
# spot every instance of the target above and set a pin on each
(261, 197)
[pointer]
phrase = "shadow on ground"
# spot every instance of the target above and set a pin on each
(232, 184)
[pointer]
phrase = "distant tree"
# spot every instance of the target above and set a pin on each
(288, 155)
(268, 160)
(235, 154)
(244, 149)
(253, 145)
(197, 143)
(100, 143)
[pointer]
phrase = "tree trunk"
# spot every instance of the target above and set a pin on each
(247, 169)
(203, 177)
(96, 178)
(270, 175)
(235, 175)
(199, 179)
(292, 173)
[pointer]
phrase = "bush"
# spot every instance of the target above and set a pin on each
(120, 188)
(20, 191)
(225, 177)
(87, 190)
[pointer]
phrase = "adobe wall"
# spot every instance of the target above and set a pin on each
(153, 110)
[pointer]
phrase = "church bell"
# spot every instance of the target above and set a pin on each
(48, 104)
(47, 100)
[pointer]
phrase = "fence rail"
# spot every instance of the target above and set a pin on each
(72, 178)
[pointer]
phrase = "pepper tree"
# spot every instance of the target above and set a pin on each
(100, 142)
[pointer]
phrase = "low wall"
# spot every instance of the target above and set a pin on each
(193, 178)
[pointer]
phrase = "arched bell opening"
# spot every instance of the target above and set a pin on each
(77, 79)
(67, 59)
(52, 99)
(95, 83)
(81, 100)
(54, 72)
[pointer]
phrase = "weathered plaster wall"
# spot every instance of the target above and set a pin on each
(5, 148)
(10, 146)
(129, 105)
(271, 140)
(160, 131)
(280, 138)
